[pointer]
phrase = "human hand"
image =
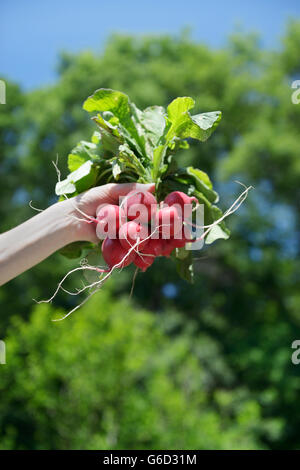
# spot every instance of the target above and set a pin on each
(87, 203)
(57, 226)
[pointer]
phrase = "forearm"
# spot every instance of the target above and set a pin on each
(63, 223)
(34, 240)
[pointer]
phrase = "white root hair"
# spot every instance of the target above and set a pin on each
(233, 208)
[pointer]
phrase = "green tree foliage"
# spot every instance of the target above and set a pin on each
(112, 379)
(244, 306)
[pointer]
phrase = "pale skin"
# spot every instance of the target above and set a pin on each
(31, 242)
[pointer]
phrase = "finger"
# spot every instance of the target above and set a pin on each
(117, 190)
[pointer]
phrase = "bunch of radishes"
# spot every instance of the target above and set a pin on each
(139, 229)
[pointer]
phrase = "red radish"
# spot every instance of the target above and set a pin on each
(143, 262)
(178, 243)
(109, 218)
(146, 257)
(181, 239)
(167, 248)
(154, 247)
(169, 221)
(129, 234)
(183, 200)
(178, 197)
(140, 205)
(113, 253)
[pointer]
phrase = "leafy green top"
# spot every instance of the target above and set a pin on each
(135, 145)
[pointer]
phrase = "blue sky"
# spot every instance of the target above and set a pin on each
(33, 32)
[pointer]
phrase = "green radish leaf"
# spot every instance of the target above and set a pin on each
(212, 213)
(87, 182)
(96, 137)
(127, 114)
(75, 161)
(153, 124)
(200, 175)
(65, 187)
(83, 152)
(126, 154)
(107, 125)
(181, 253)
(177, 144)
(185, 268)
(106, 99)
(196, 179)
(183, 125)
(203, 183)
(178, 108)
(204, 125)
(117, 169)
(215, 233)
(80, 180)
(158, 160)
(170, 183)
(74, 250)
(110, 137)
(178, 115)
(216, 214)
(206, 121)
(82, 171)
